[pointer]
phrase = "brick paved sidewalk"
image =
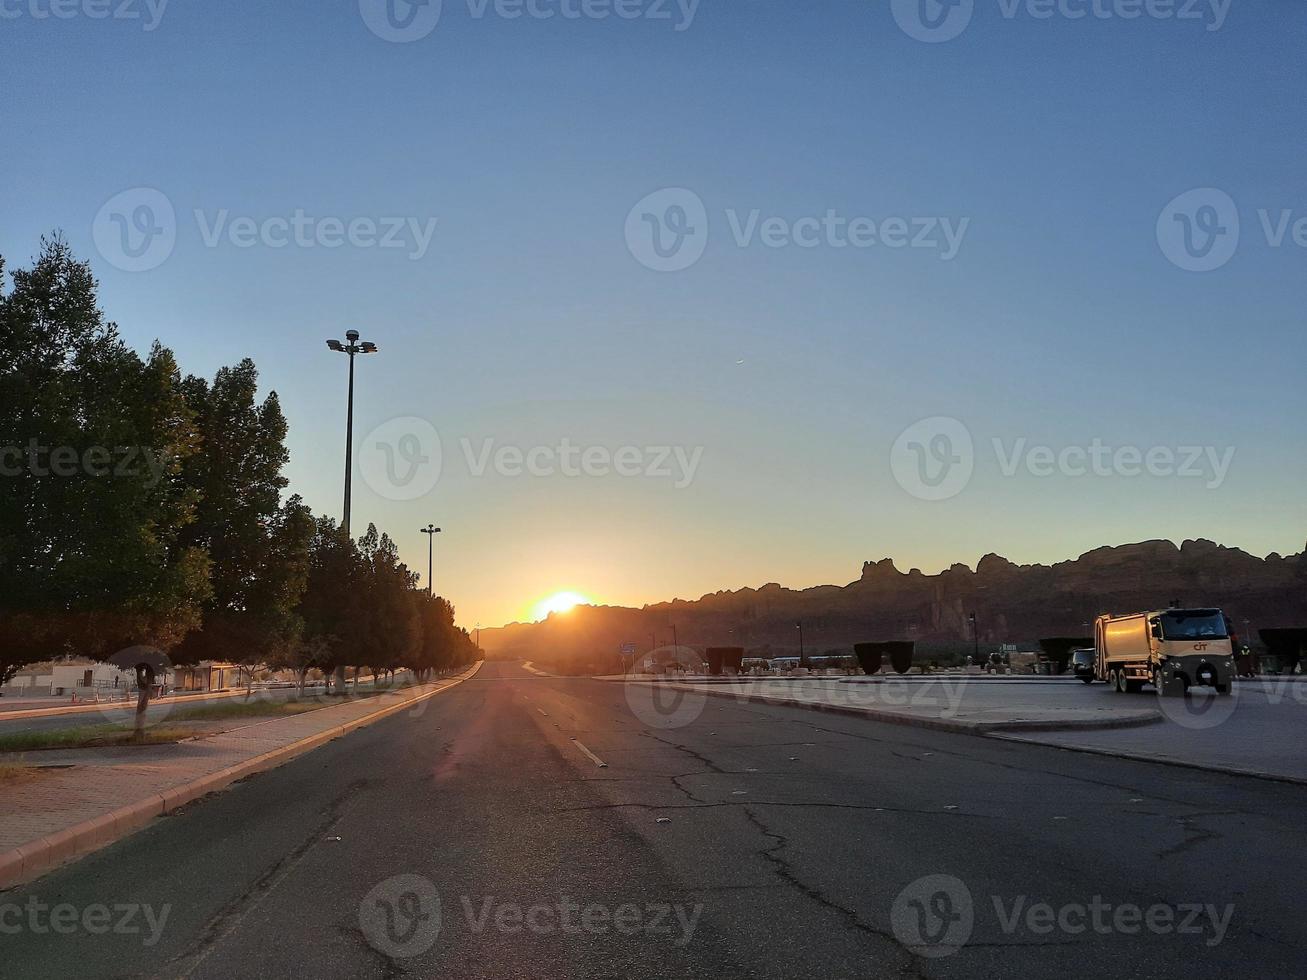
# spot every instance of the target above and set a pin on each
(98, 782)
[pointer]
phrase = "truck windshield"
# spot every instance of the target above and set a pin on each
(1204, 624)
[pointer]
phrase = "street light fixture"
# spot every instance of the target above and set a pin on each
(351, 347)
(803, 658)
(430, 531)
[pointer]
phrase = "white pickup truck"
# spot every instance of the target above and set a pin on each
(1172, 649)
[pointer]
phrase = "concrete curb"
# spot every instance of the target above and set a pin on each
(33, 859)
(938, 724)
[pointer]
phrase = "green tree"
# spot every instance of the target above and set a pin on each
(259, 547)
(441, 645)
(392, 628)
(332, 605)
(93, 508)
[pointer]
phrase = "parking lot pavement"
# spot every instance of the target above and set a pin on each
(1255, 731)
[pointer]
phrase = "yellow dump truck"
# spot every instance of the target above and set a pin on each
(1172, 649)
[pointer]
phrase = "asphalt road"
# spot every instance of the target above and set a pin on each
(479, 838)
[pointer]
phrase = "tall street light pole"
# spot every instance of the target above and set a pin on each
(430, 531)
(351, 347)
(803, 659)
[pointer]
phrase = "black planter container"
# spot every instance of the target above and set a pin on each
(900, 654)
(725, 660)
(870, 656)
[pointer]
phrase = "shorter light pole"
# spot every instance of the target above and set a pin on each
(430, 531)
(803, 657)
(975, 640)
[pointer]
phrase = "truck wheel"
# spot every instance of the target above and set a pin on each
(1118, 681)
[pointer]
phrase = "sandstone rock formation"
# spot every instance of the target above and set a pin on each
(1013, 603)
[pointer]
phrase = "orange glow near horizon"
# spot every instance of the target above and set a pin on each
(560, 602)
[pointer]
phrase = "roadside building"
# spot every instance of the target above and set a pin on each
(32, 681)
(73, 675)
(82, 676)
(207, 675)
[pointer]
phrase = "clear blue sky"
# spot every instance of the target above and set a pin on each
(529, 320)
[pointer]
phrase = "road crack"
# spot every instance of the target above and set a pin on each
(229, 918)
(913, 965)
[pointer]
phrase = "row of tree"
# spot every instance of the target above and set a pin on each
(139, 506)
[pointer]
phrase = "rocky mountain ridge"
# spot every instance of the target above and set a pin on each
(1013, 603)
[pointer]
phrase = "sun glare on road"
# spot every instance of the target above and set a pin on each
(559, 603)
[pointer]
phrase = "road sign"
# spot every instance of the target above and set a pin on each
(628, 649)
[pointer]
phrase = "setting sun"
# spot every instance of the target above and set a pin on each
(559, 603)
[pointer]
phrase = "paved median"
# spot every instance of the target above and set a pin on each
(949, 703)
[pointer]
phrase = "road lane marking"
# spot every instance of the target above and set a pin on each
(543, 712)
(594, 758)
